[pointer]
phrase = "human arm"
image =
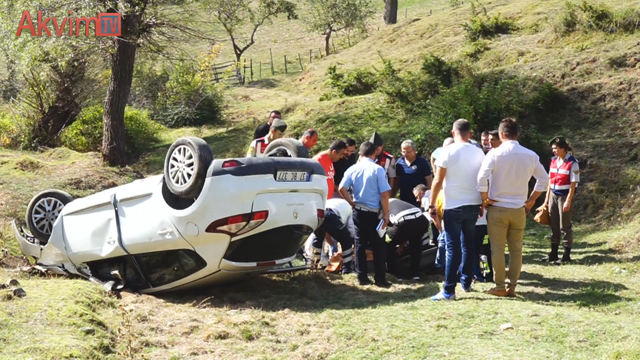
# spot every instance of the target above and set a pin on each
(252, 149)
(569, 201)
(345, 184)
(546, 198)
(384, 203)
(542, 185)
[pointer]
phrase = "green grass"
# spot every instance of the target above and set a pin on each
(52, 321)
(585, 310)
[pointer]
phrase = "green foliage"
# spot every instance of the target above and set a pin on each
(189, 98)
(483, 26)
(588, 16)
(328, 16)
(475, 49)
(455, 3)
(11, 131)
(86, 133)
(354, 82)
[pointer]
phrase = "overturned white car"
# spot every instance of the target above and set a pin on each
(203, 221)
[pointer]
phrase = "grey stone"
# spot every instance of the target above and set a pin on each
(88, 330)
(19, 292)
(13, 282)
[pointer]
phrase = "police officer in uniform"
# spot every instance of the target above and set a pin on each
(258, 146)
(384, 159)
(370, 198)
(407, 224)
(564, 175)
(336, 220)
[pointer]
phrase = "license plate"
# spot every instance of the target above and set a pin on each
(292, 176)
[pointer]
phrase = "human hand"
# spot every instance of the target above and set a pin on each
(386, 221)
(528, 205)
(541, 207)
(567, 206)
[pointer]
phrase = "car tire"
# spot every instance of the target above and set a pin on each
(286, 148)
(43, 211)
(185, 166)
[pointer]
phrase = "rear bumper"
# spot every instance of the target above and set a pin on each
(28, 248)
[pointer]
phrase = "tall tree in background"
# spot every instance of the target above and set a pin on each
(242, 18)
(390, 12)
(330, 16)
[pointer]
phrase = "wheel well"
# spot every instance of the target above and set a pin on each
(174, 201)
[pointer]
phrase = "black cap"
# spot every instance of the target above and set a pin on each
(376, 139)
(558, 140)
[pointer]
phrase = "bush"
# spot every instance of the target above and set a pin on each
(482, 26)
(597, 17)
(85, 134)
(354, 82)
(189, 98)
(475, 49)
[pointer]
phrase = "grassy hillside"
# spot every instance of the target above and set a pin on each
(581, 311)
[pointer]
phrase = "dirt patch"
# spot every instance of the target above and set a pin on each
(28, 164)
(8, 261)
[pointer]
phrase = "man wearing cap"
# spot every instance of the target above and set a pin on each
(510, 167)
(384, 159)
(263, 129)
(564, 175)
(258, 146)
(370, 198)
(407, 224)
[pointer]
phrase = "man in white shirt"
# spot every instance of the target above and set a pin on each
(458, 166)
(510, 167)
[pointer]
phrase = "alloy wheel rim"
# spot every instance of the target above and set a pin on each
(45, 213)
(182, 166)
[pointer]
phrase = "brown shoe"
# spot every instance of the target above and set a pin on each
(511, 292)
(497, 292)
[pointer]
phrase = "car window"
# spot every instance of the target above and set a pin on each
(168, 266)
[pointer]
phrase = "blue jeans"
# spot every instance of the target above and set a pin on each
(460, 225)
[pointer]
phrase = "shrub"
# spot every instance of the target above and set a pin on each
(353, 82)
(85, 134)
(597, 17)
(483, 26)
(189, 98)
(475, 49)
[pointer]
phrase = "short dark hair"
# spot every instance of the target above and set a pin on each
(462, 126)
(420, 187)
(367, 149)
(349, 141)
(494, 133)
(509, 127)
(338, 146)
(275, 112)
(310, 133)
(485, 133)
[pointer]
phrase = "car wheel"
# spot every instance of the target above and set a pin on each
(185, 166)
(43, 211)
(286, 148)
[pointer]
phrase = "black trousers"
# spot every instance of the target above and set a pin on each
(333, 225)
(367, 235)
(411, 231)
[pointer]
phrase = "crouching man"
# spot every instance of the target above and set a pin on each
(407, 225)
(338, 224)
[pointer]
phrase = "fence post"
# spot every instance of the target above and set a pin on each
(260, 71)
(310, 56)
(405, 13)
(215, 72)
(251, 64)
(334, 46)
(300, 61)
(285, 65)
(244, 71)
(272, 70)
(319, 53)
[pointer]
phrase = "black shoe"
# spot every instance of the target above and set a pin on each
(549, 258)
(383, 284)
(364, 282)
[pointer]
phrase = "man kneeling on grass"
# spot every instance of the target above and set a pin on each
(337, 223)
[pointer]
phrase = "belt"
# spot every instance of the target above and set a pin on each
(365, 208)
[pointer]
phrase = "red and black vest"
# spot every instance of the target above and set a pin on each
(260, 146)
(385, 160)
(560, 175)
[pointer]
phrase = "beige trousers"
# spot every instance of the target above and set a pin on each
(506, 227)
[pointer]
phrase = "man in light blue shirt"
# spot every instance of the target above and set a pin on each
(371, 193)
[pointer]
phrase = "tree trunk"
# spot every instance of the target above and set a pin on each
(390, 12)
(327, 40)
(122, 62)
(65, 107)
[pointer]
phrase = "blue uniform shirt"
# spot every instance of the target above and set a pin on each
(368, 180)
(411, 176)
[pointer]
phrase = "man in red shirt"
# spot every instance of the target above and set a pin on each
(326, 158)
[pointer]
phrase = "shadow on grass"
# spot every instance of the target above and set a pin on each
(310, 292)
(264, 84)
(582, 293)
